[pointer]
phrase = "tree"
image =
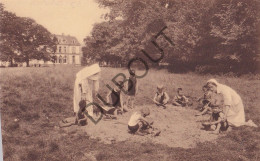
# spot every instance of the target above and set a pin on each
(202, 32)
(8, 43)
(23, 39)
(236, 25)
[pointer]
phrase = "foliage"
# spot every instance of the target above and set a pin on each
(204, 32)
(23, 39)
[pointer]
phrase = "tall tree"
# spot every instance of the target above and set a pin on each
(23, 39)
(201, 31)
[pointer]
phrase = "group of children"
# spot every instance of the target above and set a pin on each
(161, 98)
(138, 124)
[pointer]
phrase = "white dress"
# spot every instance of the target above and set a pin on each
(83, 82)
(236, 112)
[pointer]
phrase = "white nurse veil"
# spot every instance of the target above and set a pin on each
(213, 81)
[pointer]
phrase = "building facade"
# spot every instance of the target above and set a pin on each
(68, 50)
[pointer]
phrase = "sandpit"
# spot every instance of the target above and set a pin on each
(179, 128)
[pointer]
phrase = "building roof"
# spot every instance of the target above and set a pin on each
(67, 40)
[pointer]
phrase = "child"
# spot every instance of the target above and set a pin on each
(204, 100)
(132, 88)
(180, 99)
(116, 98)
(161, 98)
(217, 120)
(139, 125)
(81, 118)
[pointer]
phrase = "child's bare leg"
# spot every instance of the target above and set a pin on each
(128, 100)
(132, 102)
(115, 112)
(176, 103)
(217, 128)
(141, 126)
(212, 127)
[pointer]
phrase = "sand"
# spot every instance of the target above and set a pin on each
(179, 128)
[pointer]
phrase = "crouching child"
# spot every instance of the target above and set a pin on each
(217, 121)
(139, 125)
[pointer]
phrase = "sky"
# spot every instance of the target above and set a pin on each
(71, 17)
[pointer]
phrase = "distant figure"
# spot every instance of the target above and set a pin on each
(86, 83)
(180, 99)
(233, 105)
(139, 125)
(117, 99)
(161, 98)
(132, 89)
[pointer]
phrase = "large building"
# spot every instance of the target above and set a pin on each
(68, 50)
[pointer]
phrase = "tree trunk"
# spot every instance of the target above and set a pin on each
(27, 63)
(11, 63)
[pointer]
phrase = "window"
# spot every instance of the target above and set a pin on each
(64, 49)
(64, 59)
(73, 59)
(60, 49)
(55, 59)
(73, 49)
(60, 59)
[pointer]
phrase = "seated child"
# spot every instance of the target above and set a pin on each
(81, 118)
(117, 99)
(180, 99)
(139, 125)
(161, 98)
(204, 101)
(217, 121)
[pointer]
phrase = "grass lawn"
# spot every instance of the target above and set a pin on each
(33, 100)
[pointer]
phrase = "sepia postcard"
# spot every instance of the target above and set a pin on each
(125, 80)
